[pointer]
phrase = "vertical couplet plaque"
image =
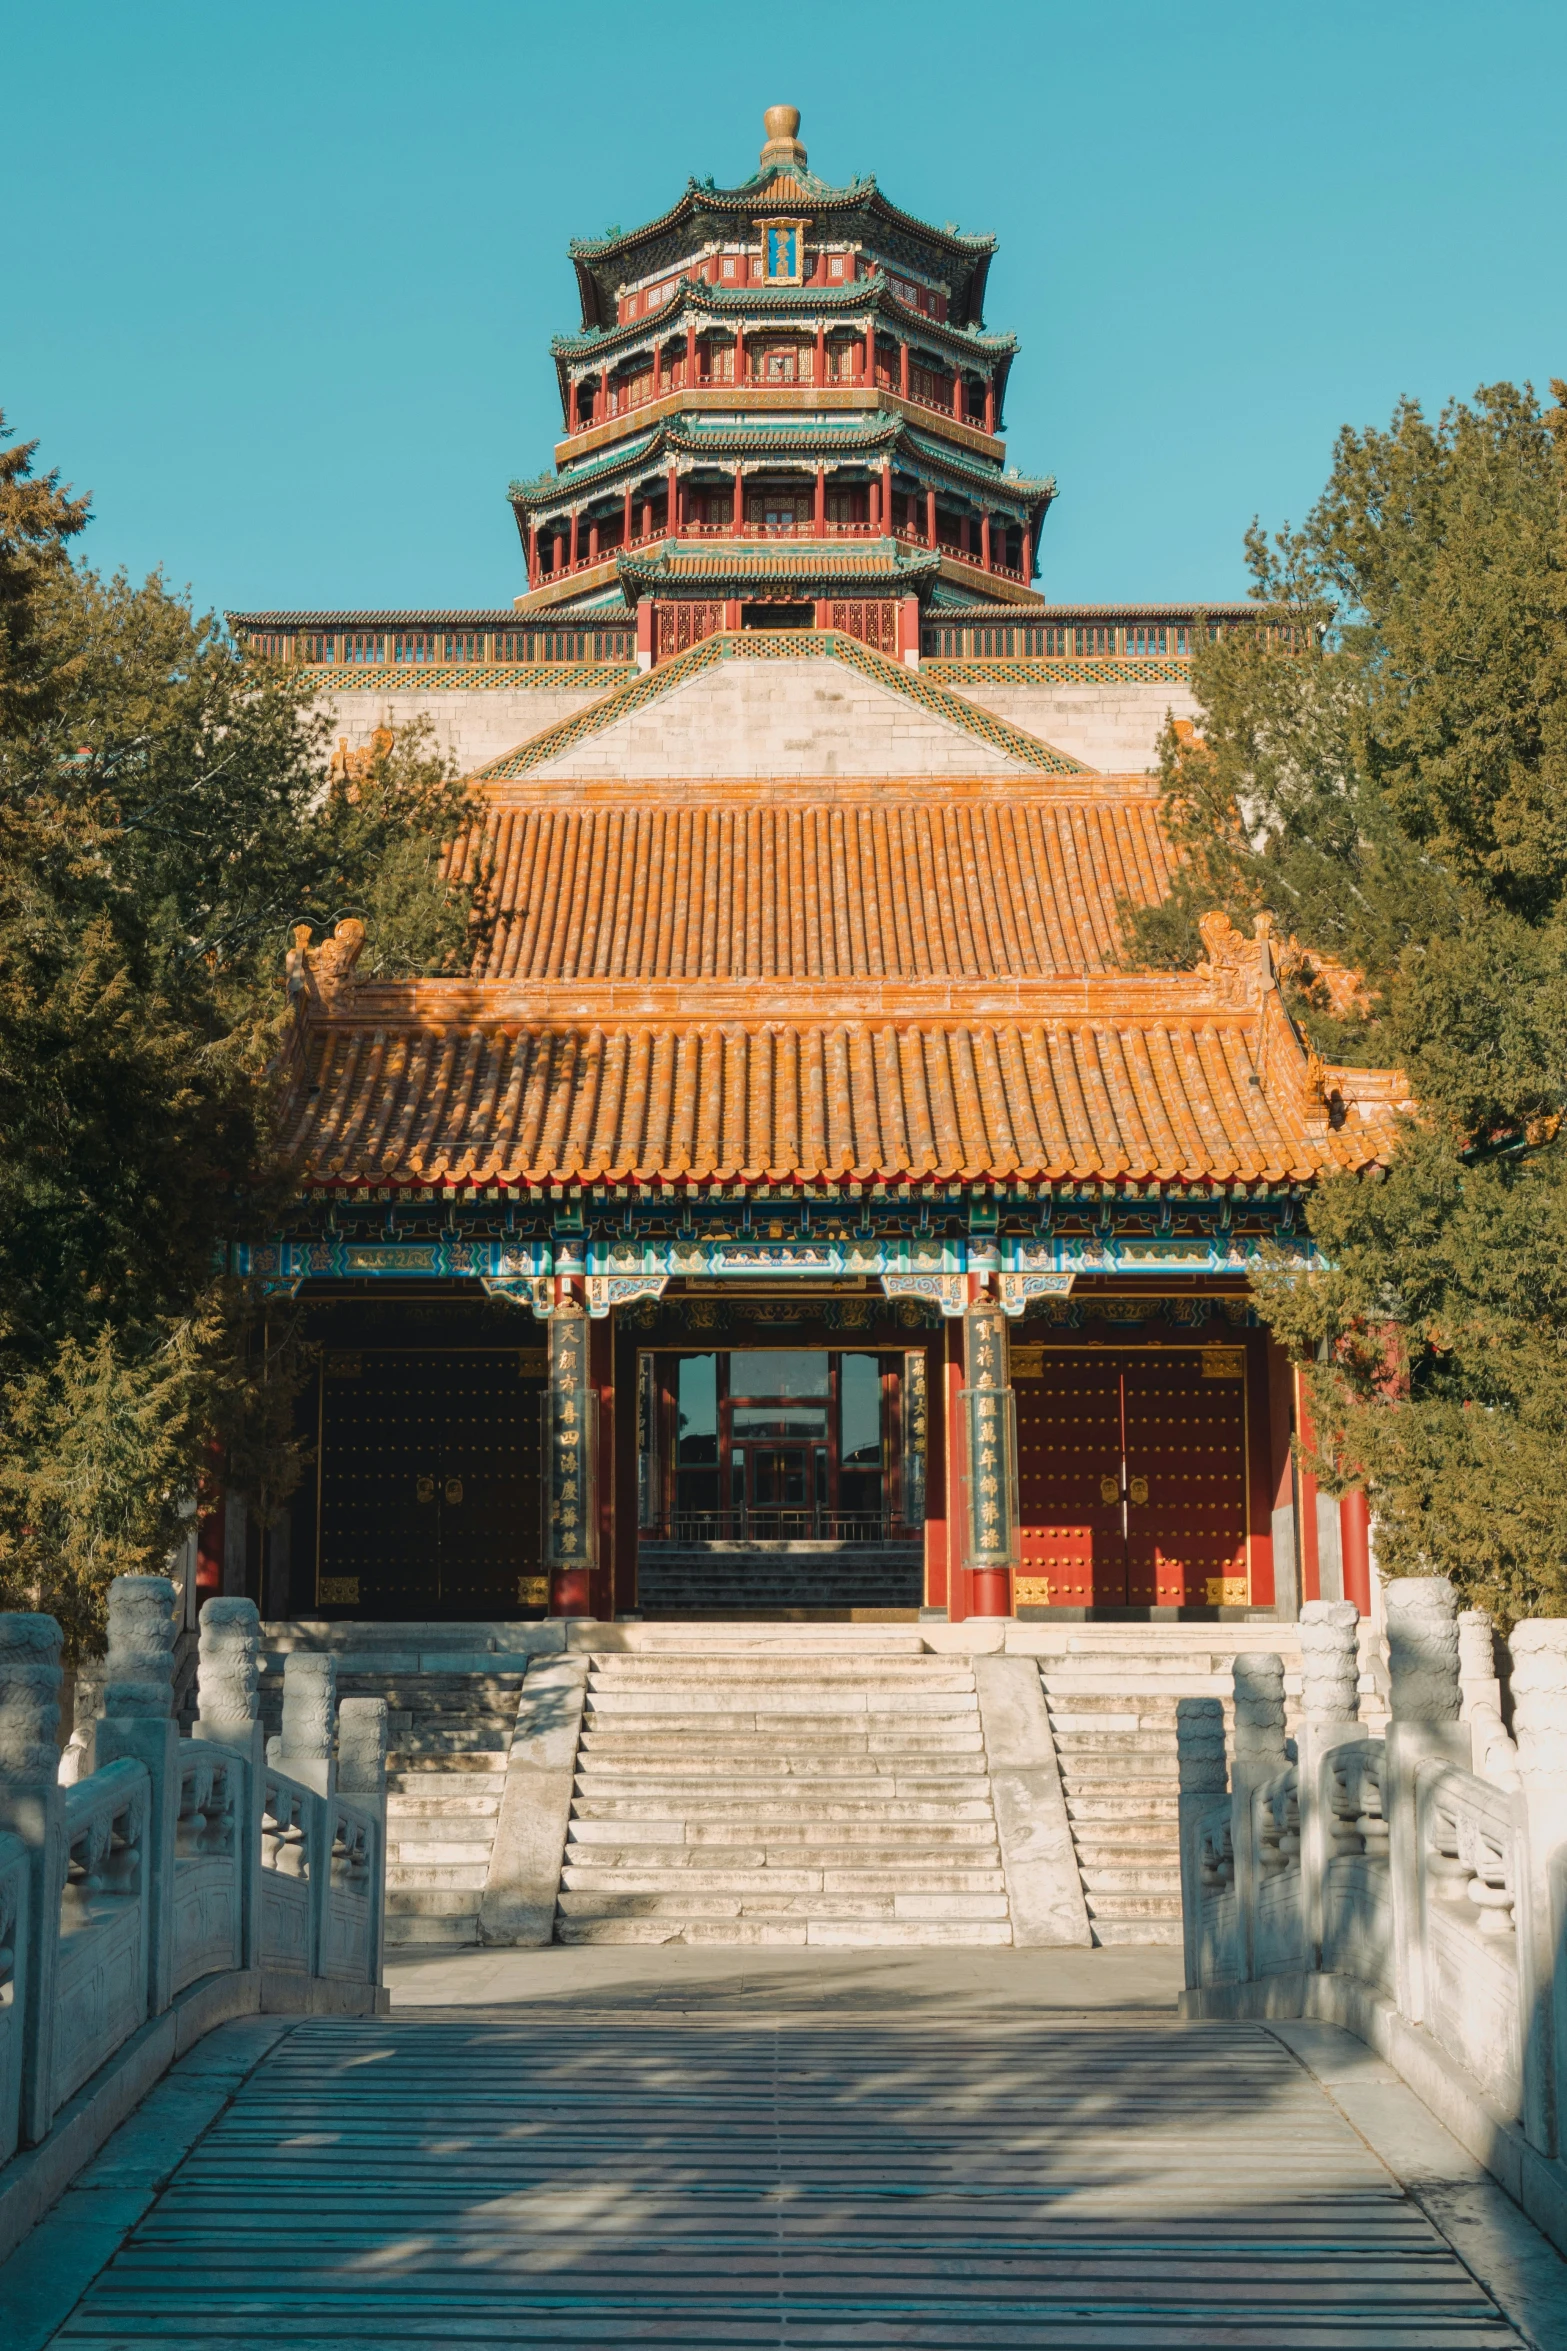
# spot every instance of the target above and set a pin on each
(915, 1427)
(570, 1515)
(990, 1449)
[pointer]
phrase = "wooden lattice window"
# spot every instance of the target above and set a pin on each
(681, 626)
(874, 621)
(1143, 638)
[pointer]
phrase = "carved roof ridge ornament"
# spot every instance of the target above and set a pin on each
(1239, 970)
(323, 973)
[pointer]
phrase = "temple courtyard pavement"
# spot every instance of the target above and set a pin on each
(627, 2145)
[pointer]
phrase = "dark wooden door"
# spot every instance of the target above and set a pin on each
(1132, 1476)
(1186, 1475)
(428, 1481)
(1069, 1459)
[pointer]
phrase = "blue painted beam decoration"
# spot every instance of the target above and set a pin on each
(631, 1251)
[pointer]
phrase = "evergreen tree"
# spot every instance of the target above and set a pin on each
(1381, 763)
(168, 809)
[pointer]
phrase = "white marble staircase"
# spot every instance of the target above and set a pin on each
(1112, 1693)
(789, 1787)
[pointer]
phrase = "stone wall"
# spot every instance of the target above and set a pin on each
(1114, 728)
(472, 728)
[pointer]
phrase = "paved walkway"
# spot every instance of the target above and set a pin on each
(695, 2150)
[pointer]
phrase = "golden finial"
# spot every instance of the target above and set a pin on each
(782, 124)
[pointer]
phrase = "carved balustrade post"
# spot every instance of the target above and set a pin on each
(1260, 1755)
(1199, 1743)
(138, 1723)
(1539, 1684)
(361, 1773)
(228, 1680)
(1422, 1653)
(1330, 1717)
(303, 1749)
(32, 1807)
(1480, 1690)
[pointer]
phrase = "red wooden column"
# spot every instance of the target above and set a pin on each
(870, 353)
(601, 1380)
(593, 542)
(739, 351)
(672, 507)
(1354, 1512)
(573, 557)
(938, 1531)
(1287, 1593)
(626, 536)
(1308, 1548)
(930, 517)
(903, 370)
(990, 404)
(691, 354)
(533, 551)
(820, 375)
(739, 510)
(984, 540)
(821, 502)
(960, 1578)
(1028, 555)
(623, 1581)
(886, 497)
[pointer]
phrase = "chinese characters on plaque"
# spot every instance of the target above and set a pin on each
(914, 1436)
(990, 1431)
(570, 1523)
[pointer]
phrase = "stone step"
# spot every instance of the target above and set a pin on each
(742, 1762)
(833, 1934)
(788, 1829)
(1133, 1906)
(820, 1700)
(415, 1805)
(413, 1930)
(450, 1840)
(1165, 1931)
(887, 1907)
(822, 1748)
(716, 1809)
(427, 1874)
(1123, 1808)
(1117, 1783)
(1124, 1877)
(638, 1666)
(922, 1784)
(870, 1865)
(580, 1878)
(430, 1902)
(1108, 1742)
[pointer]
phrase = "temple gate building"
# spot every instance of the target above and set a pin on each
(798, 1210)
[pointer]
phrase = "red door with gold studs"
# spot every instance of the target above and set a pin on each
(1072, 1547)
(1132, 1477)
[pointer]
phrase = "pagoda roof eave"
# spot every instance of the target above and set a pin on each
(863, 294)
(590, 255)
(1029, 496)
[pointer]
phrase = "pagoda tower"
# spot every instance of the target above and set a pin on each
(782, 409)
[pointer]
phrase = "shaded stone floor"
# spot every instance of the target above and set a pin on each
(942, 2149)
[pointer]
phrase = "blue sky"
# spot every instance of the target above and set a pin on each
(282, 278)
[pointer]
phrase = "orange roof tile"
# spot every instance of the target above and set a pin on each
(725, 883)
(1158, 1077)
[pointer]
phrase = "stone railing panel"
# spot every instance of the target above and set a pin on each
(347, 1928)
(175, 1868)
(14, 1874)
(289, 1844)
(1474, 1925)
(101, 1981)
(1357, 1892)
(1279, 1938)
(208, 1893)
